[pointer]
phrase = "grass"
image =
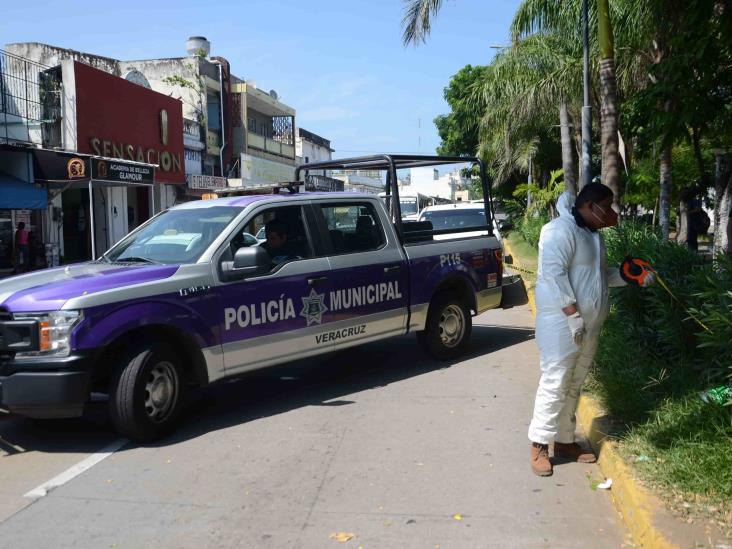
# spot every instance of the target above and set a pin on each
(679, 445)
(684, 450)
(526, 256)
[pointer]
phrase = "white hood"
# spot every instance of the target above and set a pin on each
(565, 203)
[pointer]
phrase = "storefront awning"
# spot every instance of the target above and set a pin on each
(16, 194)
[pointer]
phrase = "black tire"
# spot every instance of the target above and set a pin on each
(447, 331)
(146, 392)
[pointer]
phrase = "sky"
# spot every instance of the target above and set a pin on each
(340, 64)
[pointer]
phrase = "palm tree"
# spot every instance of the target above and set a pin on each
(609, 100)
(522, 91)
(416, 23)
(562, 17)
(536, 15)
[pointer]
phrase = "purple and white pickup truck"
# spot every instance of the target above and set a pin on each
(192, 297)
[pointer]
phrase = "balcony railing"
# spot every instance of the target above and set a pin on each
(30, 95)
(271, 146)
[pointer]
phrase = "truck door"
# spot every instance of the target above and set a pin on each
(369, 295)
(276, 316)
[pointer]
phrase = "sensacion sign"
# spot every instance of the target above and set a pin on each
(168, 162)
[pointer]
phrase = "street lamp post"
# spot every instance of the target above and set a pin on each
(586, 110)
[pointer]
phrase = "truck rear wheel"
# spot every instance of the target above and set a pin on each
(447, 332)
(146, 394)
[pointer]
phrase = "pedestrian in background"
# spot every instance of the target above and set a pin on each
(572, 303)
(697, 223)
(21, 248)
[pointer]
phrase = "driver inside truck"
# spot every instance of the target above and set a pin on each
(277, 245)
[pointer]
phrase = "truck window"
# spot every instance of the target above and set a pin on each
(280, 231)
(455, 218)
(353, 227)
(175, 236)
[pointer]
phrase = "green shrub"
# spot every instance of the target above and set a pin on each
(654, 359)
(530, 228)
(651, 348)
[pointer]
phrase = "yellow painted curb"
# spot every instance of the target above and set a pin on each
(634, 503)
(530, 291)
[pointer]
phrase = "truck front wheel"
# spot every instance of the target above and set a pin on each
(147, 392)
(447, 332)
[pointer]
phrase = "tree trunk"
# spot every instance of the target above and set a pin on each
(609, 126)
(682, 223)
(722, 202)
(608, 101)
(567, 158)
(664, 205)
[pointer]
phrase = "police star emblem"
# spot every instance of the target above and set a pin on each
(313, 307)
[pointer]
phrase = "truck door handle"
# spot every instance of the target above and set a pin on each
(392, 269)
(317, 281)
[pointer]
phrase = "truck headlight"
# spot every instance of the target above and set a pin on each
(54, 332)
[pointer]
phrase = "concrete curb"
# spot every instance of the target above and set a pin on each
(634, 503)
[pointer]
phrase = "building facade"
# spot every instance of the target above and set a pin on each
(430, 182)
(201, 83)
(91, 147)
(364, 181)
(223, 131)
(263, 136)
(310, 147)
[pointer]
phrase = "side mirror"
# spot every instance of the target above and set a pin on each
(508, 259)
(505, 225)
(248, 261)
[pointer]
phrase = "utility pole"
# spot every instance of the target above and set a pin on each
(586, 109)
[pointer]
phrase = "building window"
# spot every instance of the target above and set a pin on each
(214, 116)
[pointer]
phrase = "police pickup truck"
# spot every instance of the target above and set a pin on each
(191, 297)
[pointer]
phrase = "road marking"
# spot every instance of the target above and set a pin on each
(14, 448)
(76, 470)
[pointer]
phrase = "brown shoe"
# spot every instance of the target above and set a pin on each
(540, 463)
(574, 452)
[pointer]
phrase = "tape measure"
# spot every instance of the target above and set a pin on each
(519, 269)
(635, 271)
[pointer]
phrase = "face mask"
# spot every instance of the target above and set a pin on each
(609, 217)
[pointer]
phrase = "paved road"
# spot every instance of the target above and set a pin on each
(378, 442)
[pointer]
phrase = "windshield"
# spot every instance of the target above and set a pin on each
(453, 219)
(175, 236)
(408, 205)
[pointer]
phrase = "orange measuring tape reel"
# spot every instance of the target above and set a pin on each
(635, 270)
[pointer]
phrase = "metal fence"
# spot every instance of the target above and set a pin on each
(30, 94)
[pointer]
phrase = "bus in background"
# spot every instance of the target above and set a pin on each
(412, 203)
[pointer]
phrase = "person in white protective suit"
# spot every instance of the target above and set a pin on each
(571, 306)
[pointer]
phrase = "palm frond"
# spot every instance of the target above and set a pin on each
(417, 20)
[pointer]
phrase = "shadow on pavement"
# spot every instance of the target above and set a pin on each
(320, 381)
